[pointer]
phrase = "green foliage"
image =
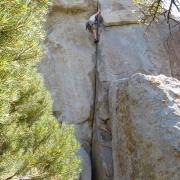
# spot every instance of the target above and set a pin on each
(150, 10)
(32, 143)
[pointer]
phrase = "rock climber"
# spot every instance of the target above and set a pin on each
(90, 26)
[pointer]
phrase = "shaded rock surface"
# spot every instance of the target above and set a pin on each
(172, 45)
(86, 164)
(145, 114)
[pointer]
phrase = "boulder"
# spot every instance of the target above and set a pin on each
(117, 13)
(145, 115)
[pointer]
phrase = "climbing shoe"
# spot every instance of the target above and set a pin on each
(96, 41)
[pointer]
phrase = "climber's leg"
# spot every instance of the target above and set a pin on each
(93, 31)
(94, 35)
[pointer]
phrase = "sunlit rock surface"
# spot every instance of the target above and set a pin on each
(78, 74)
(145, 115)
(116, 13)
(68, 68)
(122, 52)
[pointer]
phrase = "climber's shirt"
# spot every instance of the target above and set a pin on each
(90, 23)
(92, 18)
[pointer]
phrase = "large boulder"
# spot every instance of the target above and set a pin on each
(145, 115)
(116, 13)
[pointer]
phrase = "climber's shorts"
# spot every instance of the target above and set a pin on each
(91, 28)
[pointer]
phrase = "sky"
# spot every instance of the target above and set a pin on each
(174, 9)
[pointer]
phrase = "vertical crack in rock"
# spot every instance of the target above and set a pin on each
(95, 84)
(101, 155)
(78, 74)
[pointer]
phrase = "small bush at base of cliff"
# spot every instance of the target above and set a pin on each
(32, 144)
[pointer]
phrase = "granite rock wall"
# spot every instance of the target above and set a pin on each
(78, 73)
(145, 114)
(123, 50)
(68, 69)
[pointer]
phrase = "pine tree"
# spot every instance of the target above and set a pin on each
(32, 143)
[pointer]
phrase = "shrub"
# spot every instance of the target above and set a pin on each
(32, 143)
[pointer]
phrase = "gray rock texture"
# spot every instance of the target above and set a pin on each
(122, 52)
(78, 74)
(77, 6)
(145, 115)
(68, 69)
(116, 13)
(86, 164)
(172, 45)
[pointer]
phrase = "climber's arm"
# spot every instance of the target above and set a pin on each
(98, 12)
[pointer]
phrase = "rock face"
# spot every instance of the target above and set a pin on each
(145, 114)
(68, 68)
(78, 74)
(122, 52)
(86, 164)
(172, 45)
(116, 13)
